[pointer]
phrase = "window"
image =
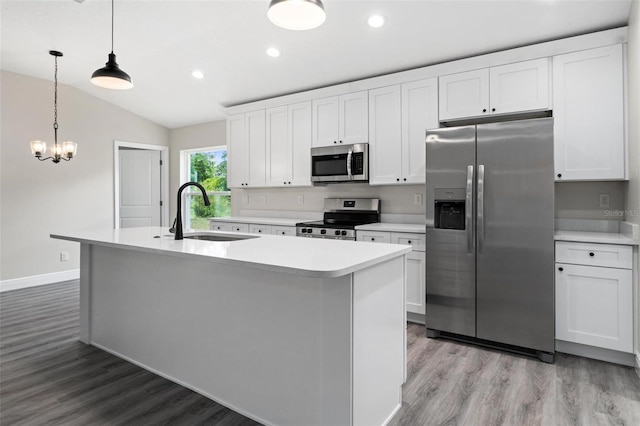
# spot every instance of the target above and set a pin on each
(208, 167)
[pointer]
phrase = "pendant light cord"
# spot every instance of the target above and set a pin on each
(55, 103)
(112, 1)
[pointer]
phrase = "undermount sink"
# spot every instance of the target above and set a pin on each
(214, 237)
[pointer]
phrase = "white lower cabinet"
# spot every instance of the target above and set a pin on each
(415, 298)
(252, 228)
(594, 304)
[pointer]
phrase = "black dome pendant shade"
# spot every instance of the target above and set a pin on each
(111, 76)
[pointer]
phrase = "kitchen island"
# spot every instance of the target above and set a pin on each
(285, 330)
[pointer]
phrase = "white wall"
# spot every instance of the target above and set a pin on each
(38, 198)
(204, 135)
(580, 200)
(633, 190)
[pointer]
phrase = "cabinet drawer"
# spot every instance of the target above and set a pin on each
(608, 255)
(239, 227)
(373, 236)
(416, 241)
(284, 230)
(220, 226)
(260, 229)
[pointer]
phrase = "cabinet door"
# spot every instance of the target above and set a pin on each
(299, 144)
(464, 94)
(326, 114)
(238, 152)
(594, 306)
(522, 86)
(277, 147)
(419, 113)
(385, 133)
(354, 118)
(373, 236)
(588, 107)
(415, 293)
(255, 134)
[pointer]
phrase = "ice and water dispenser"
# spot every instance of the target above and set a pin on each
(449, 208)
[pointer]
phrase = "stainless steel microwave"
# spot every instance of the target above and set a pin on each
(340, 163)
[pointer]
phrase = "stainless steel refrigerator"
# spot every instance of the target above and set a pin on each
(490, 226)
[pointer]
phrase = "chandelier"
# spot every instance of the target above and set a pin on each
(67, 150)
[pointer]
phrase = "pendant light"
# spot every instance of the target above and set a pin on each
(297, 14)
(111, 76)
(67, 150)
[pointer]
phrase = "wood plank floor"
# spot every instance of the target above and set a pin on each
(48, 377)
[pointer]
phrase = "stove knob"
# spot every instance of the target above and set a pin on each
(323, 231)
(337, 232)
(343, 233)
(303, 230)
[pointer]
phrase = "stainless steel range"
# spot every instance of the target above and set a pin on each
(341, 216)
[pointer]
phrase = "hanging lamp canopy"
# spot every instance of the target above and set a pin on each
(111, 76)
(297, 14)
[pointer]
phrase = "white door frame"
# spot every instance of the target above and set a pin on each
(164, 177)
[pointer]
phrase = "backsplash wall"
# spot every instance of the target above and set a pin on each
(394, 199)
(573, 200)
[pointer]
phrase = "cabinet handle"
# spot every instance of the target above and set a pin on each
(409, 242)
(559, 175)
(561, 269)
(404, 179)
(340, 141)
(484, 110)
(335, 141)
(397, 179)
(592, 254)
(373, 239)
(493, 110)
(259, 230)
(289, 183)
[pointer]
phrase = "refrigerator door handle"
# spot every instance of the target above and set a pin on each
(480, 224)
(469, 209)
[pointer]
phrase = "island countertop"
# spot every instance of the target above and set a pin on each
(322, 258)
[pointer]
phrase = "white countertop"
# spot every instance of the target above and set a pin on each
(595, 237)
(313, 257)
(414, 228)
(277, 221)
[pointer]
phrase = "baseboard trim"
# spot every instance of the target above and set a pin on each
(36, 280)
(608, 355)
(637, 366)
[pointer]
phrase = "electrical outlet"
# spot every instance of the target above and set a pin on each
(64, 256)
(300, 199)
(604, 201)
(263, 199)
(417, 199)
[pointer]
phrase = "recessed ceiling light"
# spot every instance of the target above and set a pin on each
(197, 74)
(273, 52)
(375, 21)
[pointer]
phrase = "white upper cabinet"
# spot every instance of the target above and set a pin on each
(385, 133)
(506, 89)
(341, 119)
(398, 118)
(465, 94)
(419, 113)
(238, 152)
(246, 145)
(288, 145)
(588, 108)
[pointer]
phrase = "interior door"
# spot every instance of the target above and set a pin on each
(515, 226)
(139, 188)
(451, 269)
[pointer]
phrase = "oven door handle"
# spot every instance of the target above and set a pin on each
(349, 156)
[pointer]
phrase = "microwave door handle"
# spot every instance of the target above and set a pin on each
(349, 156)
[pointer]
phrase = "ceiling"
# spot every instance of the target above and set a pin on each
(159, 43)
